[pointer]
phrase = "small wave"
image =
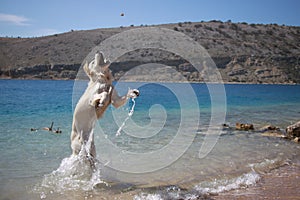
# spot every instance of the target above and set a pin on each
(269, 164)
(202, 190)
(222, 185)
(145, 196)
(171, 193)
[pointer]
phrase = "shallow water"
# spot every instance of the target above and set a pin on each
(136, 164)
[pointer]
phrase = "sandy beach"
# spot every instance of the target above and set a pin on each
(281, 183)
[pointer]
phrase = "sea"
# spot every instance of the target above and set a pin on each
(175, 141)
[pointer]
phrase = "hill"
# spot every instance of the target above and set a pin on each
(252, 53)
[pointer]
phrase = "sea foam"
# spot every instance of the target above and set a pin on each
(223, 185)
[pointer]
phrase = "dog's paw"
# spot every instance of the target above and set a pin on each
(133, 93)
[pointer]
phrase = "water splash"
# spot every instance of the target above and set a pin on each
(129, 115)
(77, 172)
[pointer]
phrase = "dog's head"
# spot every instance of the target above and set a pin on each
(98, 69)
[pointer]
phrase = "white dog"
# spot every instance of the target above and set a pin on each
(99, 94)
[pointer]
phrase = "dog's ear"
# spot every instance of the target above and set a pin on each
(86, 68)
(88, 71)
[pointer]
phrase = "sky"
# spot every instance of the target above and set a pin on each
(32, 18)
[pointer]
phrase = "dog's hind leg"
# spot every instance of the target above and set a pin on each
(76, 142)
(91, 150)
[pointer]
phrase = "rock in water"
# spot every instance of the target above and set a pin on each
(269, 128)
(272, 131)
(293, 130)
(274, 134)
(244, 127)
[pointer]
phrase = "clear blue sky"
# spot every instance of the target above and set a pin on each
(28, 18)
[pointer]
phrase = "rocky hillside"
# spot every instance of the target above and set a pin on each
(253, 53)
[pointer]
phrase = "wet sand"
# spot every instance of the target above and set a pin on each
(282, 183)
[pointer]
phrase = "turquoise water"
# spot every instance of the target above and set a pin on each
(29, 158)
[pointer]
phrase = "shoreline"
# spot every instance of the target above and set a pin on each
(279, 183)
(132, 81)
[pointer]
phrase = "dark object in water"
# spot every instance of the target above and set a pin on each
(269, 128)
(49, 128)
(57, 131)
(244, 127)
(225, 125)
(293, 130)
(34, 129)
(272, 131)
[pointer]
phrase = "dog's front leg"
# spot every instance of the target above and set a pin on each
(118, 101)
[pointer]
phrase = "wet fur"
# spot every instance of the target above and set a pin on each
(99, 94)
